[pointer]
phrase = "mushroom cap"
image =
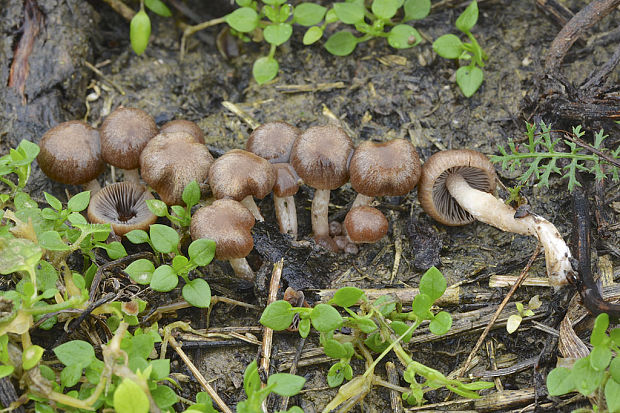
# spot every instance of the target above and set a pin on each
(182, 125)
(434, 197)
(365, 224)
(273, 141)
(124, 133)
(228, 223)
(71, 153)
(287, 180)
(239, 173)
(170, 161)
(384, 169)
(321, 156)
(123, 206)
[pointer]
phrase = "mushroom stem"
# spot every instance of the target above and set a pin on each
(320, 204)
(286, 214)
(487, 208)
(92, 186)
(131, 175)
(362, 200)
(242, 268)
(249, 203)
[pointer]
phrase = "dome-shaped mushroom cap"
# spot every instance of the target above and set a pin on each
(124, 133)
(384, 169)
(123, 206)
(172, 160)
(287, 180)
(228, 223)
(239, 173)
(321, 156)
(273, 141)
(182, 125)
(70, 153)
(365, 224)
(433, 195)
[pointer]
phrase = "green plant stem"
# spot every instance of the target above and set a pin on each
(52, 308)
(395, 344)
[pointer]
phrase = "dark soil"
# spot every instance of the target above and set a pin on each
(384, 94)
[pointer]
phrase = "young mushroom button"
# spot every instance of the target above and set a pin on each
(70, 154)
(182, 125)
(456, 188)
(321, 158)
(365, 224)
(239, 175)
(124, 133)
(170, 161)
(228, 223)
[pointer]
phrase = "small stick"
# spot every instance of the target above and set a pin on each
(395, 400)
(190, 30)
(500, 281)
(203, 382)
(113, 264)
(104, 77)
(398, 248)
(491, 353)
(500, 308)
(312, 87)
(241, 113)
(406, 295)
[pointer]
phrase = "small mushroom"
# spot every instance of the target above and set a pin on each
(182, 125)
(71, 154)
(123, 206)
(240, 175)
(365, 224)
(228, 223)
(287, 185)
(383, 169)
(124, 133)
(170, 161)
(321, 158)
(456, 188)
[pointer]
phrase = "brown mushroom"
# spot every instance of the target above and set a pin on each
(182, 125)
(365, 224)
(321, 157)
(71, 154)
(124, 133)
(383, 169)
(456, 188)
(123, 206)
(273, 141)
(228, 223)
(240, 175)
(170, 161)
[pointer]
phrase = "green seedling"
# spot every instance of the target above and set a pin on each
(181, 216)
(140, 25)
(514, 321)
(598, 372)
(379, 326)
(283, 384)
(17, 162)
(540, 157)
(469, 77)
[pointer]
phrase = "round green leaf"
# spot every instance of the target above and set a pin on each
(158, 7)
(469, 79)
(599, 335)
(441, 323)
(18, 255)
(612, 395)
(467, 20)
(164, 238)
(6, 371)
(586, 379)
(385, 9)
(312, 35)
(513, 323)
(325, 318)
(349, 13)
(79, 202)
(115, 250)
(53, 201)
(448, 46)
(191, 193)
(201, 251)
(403, 37)
(70, 375)
(416, 9)
(346, 296)
(31, 356)
(76, 352)
(277, 315)
(157, 207)
(243, 20)
(164, 279)
(137, 236)
(198, 293)
(130, 398)
(614, 368)
(334, 349)
(421, 306)
(164, 397)
(141, 271)
(277, 34)
(560, 381)
(139, 32)
(341, 43)
(265, 69)
(286, 384)
(50, 240)
(309, 14)
(433, 283)
(600, 358)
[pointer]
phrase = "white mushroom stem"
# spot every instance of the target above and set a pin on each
(362, 200)
(92, 186)
(131, 175)
(286, 214)
(490, 210)
(249, 203)
(242, 268)
(320, 204)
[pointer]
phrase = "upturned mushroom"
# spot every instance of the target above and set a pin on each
(123, 206)
(228, 223)
(182, 125)
(242, 175)
(170, 161)
(383, 169)
(124, 133)
(321, 158)
(71, 154)
(456, 188)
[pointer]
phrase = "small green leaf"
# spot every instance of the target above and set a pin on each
(53, 201)
(141, 271)
(157, 207)
(6, 371)
(334, 349)
(243, 20)
(130, 398)
(587, 380)
(158, 7)
(164, 238)
(191, 194)
(286, 384)
(164, 396)
(366, 325)
(341, 43)
(164, 279)
(612, 395)
(139, 32)
(347, 296)
(198, 293)
(469, 79)
(18, 255)
(349, 13)
(265, 69)
(179, 264)
(600, 358)
(70, 375)
(161, 369)
(433, 283)
(304, 327)
(402, 37)
(277, 34)
(79, 202)
(50, 240)
(416, 9)
(309, 14)
(75, 218)
(335, 375)
(598, 336)
(312, 35)
(513, 323)
(448, 46)
(401, 328)
(114, 249)
(467, 20)
(201, 251)
(325, 318)
(76, 352)
(251, 379)
(614, 369)
(31, 356)
(137, 236)
(421, 306)
(385, 9)
(277, 315)
(441, 323)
